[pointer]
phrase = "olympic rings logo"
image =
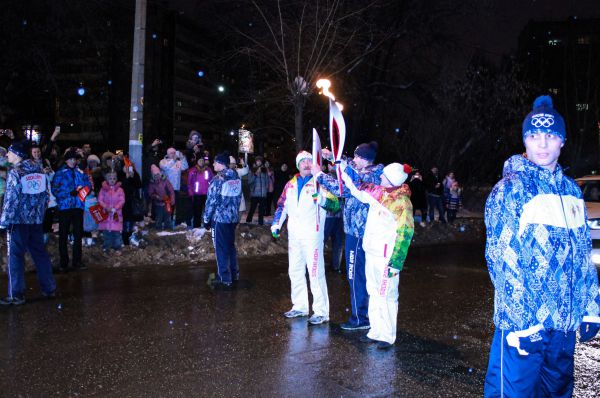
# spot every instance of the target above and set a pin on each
(33, 184)
(542, 120)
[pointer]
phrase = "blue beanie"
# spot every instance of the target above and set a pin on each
(223, 158)
(367, 151)
(20, 149)
(544, 119)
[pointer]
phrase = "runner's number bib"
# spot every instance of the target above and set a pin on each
(33, 184)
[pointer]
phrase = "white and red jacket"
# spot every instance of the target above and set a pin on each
(300, 209)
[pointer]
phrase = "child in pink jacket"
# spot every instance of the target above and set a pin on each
(112, 199)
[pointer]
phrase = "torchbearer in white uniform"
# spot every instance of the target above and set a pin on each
(305, 241)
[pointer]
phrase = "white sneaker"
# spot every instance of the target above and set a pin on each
(295, 314)
(317, 320)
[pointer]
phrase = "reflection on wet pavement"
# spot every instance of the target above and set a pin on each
(161, 331)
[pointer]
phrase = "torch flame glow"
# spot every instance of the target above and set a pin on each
(325, 85)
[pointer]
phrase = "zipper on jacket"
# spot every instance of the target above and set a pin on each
(573, 248)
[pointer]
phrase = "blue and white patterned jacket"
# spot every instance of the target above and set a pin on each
(355, 212)
(66, 180)
(223, 198)
(538, 250)
(26, 195)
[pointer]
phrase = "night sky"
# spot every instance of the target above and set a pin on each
(494, 28)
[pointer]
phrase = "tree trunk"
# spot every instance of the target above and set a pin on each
(299, 101)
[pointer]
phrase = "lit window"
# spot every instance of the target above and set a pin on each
(554, 42)
(553, 91)
(583, 40)
(582, 107)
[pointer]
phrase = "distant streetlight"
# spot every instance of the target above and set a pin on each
(200, 73)
(81, 91)
(221, 89)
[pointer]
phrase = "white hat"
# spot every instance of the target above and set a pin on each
(301, 156)
(93, 158)
(396, 173)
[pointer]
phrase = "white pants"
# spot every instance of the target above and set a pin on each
(306, 254)
(383, 299)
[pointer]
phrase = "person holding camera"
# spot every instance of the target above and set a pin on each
(259, 188)
(172, 166)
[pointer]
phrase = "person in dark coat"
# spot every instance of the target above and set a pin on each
(131, 184)
(418, 196)
(435, 194)
(282, 176)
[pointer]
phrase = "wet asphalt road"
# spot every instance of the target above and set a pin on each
(163, 332)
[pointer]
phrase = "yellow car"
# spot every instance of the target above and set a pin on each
(590, 186)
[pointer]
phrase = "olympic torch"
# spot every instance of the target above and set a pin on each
(337, 127)
(316, 160)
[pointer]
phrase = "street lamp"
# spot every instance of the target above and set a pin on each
(221, 89)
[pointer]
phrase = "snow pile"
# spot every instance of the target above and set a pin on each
(587, 363)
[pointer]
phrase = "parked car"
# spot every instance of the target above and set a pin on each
(590, 186)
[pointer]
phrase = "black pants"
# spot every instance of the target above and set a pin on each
(269, 204)
(262, 204)
(198, 204)
(183, 208)
(66, 219)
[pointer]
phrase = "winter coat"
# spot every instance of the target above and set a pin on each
(259, 185)
(355, 212)
(112, 197)
(390, 225)
(454, 199)
(199, 180)
(159, 188)
(301, 210)
(431, 184)
(538, 249)
(131, 187)
(223, 200)
(66, 180)
(26, 195)
(172, 169)
(152, 155)
(418, 196)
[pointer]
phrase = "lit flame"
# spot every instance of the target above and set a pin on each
(324, 85)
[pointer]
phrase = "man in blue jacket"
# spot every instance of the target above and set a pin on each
(355, 218)
(222, 216)
(538, 255)
(70, 186)
(22, 215)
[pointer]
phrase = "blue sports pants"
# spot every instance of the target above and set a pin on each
(546, 372)
(20, 239)
(224, 240)
(355, 271)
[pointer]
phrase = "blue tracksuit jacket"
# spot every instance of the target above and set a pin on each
(26, 195)
(355, 212)
(223, 198)
(538, 250)
(66, 180)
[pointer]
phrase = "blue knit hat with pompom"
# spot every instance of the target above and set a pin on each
(544, 119)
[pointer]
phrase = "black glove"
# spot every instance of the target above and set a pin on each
(74, 192)
(206, 225)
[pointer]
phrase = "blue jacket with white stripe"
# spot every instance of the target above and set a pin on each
(355, 212)
(223, 198)
(26, 195)
(538, 250)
